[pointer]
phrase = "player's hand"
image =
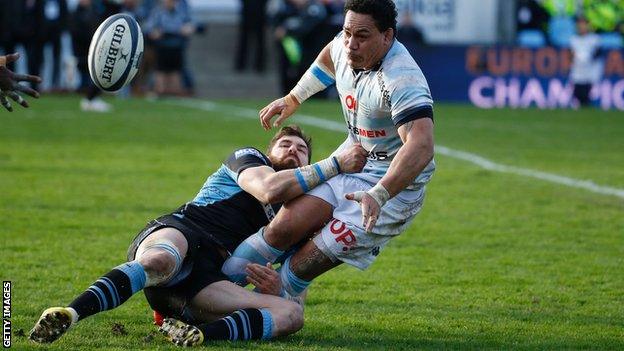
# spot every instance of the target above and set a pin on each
(352, 159)
(264, 278)
(9, 83)
(284, 107)
(370, 208)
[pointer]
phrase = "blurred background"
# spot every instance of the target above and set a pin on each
(520, 243)
(489, 53)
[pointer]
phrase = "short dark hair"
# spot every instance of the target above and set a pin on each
(293, 130)
(384, 12)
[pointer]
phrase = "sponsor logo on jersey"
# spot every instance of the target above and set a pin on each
(242, 152)
(375, 251)
(350, 102)
(342, 234)
(368, 133)
(269, 212)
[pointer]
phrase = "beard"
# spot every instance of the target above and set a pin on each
(283, 163)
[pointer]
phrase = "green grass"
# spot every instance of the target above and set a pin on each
(494, 261)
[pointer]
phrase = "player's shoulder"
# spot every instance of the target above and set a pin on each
(399, 70)
(403, 79)
(248, 152)
(399, 63)
(246, 157)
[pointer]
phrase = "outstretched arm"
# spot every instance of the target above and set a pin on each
(9, 83)
(269, 186)
(319, 76)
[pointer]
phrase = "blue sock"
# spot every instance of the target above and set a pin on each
(111, 290)
(292, 284)
(253, 250)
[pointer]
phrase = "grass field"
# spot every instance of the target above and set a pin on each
(494, 261)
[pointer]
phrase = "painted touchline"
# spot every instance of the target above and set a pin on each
(440, 149)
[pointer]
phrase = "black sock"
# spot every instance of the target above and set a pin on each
(111, 290)
(246, 324)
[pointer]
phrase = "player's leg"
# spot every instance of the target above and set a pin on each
(159, 82)
(343, 239)
(296, 220)
(304, 265)
(158, 258)
(334, 244)
(175, 83)
(235, 313)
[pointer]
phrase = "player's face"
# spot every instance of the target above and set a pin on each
(364, 43)
(289, 152)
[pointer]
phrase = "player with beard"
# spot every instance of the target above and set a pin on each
(176, 259)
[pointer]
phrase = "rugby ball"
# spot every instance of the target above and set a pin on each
(115, 52)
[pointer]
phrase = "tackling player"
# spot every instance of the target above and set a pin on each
(387, 107)
(177, 258)
(9, 83)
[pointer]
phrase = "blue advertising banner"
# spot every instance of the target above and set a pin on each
(494, 76)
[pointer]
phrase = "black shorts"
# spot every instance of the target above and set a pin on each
(200, 267)
(169, 60)
(581, 92)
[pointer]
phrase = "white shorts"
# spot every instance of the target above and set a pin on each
(344, 237)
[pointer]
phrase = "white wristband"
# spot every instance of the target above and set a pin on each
(314, 174)
(380, 194)
(315, 79)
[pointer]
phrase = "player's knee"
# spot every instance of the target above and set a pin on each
(295, 317)
(159, 266)
(277, 236)
(161, 260)
(157, 262)
(288, 318)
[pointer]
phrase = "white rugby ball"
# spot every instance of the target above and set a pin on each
(115, 52)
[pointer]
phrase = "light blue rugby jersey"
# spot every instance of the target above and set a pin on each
(377, 101)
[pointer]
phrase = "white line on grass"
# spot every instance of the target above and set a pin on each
(440, 149)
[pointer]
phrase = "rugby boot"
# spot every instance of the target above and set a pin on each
(53, 323)
(181, 334)
(158, 318)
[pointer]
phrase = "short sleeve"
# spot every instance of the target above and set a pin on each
(410, 98)
(243, 159)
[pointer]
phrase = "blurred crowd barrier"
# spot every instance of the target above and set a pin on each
(552, 22)
(500, 53)
(518, 77)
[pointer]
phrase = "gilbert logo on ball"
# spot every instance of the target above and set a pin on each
(115, 52)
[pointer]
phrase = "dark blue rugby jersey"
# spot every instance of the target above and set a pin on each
(223, 210)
